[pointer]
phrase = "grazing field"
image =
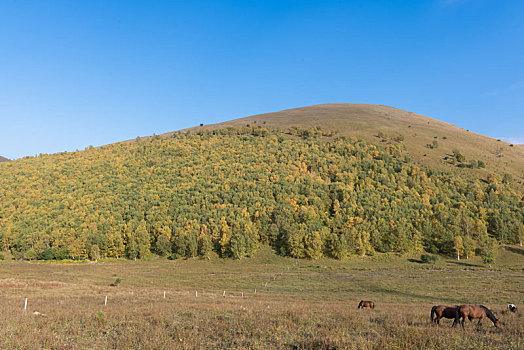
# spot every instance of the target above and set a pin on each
(298, 304)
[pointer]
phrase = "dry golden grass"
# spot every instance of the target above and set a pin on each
(183, 321)
(306, 304)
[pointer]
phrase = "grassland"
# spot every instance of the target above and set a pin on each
(298, 304)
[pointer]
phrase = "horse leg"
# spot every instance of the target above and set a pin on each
(456, 320)
(479, 325)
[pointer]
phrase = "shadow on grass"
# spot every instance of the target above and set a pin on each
(408, 295)
(416, 261)
(464, 264)
(515, 250)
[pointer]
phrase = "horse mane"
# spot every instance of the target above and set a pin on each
(489, 314)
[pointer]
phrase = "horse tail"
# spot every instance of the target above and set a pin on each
(433, 312)
(359, 305)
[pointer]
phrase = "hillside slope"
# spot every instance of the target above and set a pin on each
(3, 159)
(306, 192)
(367, 121)
(234, 189)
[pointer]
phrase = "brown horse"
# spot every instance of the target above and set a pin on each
(443, 311)
(473, 312)
(366, 303)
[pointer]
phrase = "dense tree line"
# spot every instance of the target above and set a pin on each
(305, 192)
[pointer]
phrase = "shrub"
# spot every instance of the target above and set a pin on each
(488, 259)
(116, 282)
(30, 254)
(53, 254)
(62, 253)
(2, 256)
(399, 138)
(101, 318)
(428, 258)
(46, 254)
(459, 156)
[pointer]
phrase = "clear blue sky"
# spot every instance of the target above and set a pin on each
(80, 73)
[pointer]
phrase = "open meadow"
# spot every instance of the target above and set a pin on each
(298, 304)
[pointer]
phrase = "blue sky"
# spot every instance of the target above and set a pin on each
(80, 73)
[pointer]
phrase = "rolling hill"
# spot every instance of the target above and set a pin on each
(417, 131)
(282, 179)
(3, 159)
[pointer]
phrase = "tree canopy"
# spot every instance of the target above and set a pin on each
(305, 192)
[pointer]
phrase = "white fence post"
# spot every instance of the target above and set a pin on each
(105, 302)
(25, 304)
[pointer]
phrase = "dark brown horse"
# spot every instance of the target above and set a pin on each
(443, 311)
(366, 303)
(474, 312)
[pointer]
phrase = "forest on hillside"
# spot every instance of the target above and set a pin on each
(305, 192)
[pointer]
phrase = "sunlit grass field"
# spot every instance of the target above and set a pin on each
(298, 304)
